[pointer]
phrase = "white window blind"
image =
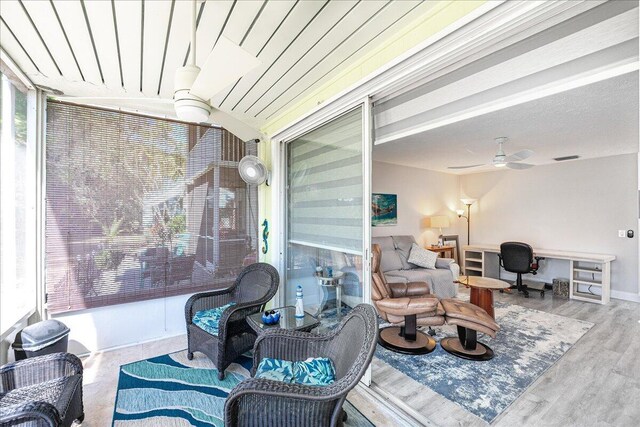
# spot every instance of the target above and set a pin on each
(325, 186)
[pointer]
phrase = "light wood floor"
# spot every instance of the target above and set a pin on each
(596, 383)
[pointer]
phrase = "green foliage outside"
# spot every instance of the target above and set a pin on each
(110, 162)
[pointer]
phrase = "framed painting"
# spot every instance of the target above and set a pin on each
(384, 209)
(452, 240)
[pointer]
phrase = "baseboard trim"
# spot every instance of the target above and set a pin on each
(627, 296)
(123, 346)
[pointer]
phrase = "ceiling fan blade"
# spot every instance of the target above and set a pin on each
(226, 63)
(519, 166)
(233, 125)
(143, 105)
(465, 167)
(520, 155)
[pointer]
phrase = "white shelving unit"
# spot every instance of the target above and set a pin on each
(473, 262)
(588, 275)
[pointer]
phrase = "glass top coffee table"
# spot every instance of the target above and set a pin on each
(288, 320)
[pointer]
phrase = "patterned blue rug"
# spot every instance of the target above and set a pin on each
(171, 390)
(528, 343)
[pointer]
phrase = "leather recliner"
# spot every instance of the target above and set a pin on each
(406, 305)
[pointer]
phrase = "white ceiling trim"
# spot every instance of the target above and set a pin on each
(573, 82)
(9, 62)
(483, 29)
(595, 38)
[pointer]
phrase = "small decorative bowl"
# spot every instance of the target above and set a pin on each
(270, 317)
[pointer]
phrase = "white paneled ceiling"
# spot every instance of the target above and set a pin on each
(131, 48)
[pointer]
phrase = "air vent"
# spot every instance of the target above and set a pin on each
(562, 159)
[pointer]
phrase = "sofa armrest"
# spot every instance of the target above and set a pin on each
(449, 264)
(444, 262)
(395, 279)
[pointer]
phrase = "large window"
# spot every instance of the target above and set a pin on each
(17, 204)
(140, 207)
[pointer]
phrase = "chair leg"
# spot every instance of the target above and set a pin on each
(522, 288)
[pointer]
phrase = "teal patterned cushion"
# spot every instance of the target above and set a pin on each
(275, 369)
(208, 320)
(313, 371)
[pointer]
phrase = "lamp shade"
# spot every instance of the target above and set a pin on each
(439, 221)
(468, 202)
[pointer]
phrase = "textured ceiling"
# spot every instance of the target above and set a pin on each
(596, 120)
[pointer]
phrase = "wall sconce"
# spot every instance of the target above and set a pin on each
(460, 212)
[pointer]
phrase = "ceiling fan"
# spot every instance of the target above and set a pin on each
(502, 160)
(194, 87)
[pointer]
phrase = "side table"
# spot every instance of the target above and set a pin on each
(335, 282)
(288, 320)
(443, 250)
(482, 288)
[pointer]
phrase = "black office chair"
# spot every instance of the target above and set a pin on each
(517, 257)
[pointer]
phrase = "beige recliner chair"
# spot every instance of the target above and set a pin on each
(406, 305)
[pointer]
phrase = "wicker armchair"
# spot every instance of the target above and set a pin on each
(41, 391)
(253, 288)
(258, 401)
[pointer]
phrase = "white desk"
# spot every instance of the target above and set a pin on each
(585, 269)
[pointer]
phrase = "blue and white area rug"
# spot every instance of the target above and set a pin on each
(528, 343)
(171, 390)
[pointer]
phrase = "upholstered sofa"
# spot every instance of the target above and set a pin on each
(394, 264)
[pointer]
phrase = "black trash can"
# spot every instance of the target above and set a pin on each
(46, 337)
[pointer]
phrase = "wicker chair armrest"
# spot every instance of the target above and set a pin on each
(289, 345)
(31, 413)
(206, 301)
(272, 390)
(235, 313)
(39, 369)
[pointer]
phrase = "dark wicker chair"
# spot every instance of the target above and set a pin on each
(41, 391)
(253, 288)
(262, 402)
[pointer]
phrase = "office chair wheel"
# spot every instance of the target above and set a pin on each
(542, 294)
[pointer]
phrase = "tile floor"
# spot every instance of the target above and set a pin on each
(101, 383)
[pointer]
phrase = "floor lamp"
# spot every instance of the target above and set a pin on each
(460, 213)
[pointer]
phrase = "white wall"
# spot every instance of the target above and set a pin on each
(124, 324)
(577, 206)
(420, 193)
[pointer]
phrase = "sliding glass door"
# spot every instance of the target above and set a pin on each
(326, 225)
